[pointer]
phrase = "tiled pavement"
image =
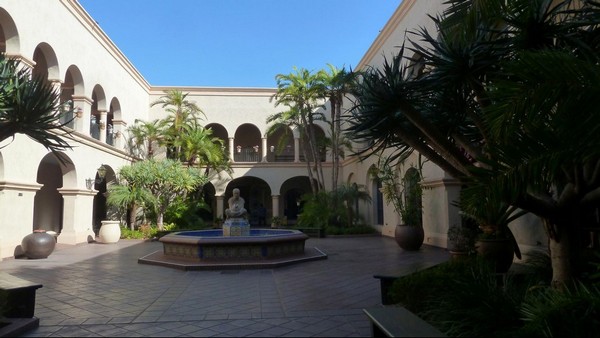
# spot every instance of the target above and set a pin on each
(100, 290)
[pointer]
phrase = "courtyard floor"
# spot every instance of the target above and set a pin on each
(93, 290)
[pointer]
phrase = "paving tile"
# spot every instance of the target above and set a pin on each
(99, 290)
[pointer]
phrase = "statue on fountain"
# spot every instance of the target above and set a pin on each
(236, 223)
(236, 206)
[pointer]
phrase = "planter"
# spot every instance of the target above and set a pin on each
(110, 232)
(409, 238)
(38, 244)
(498, 251)
(459, 256)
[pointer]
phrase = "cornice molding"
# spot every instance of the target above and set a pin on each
(385, 33)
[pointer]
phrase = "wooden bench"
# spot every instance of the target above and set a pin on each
(395, 321)
(20, 296)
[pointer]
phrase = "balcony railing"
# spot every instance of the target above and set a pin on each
(249, 154)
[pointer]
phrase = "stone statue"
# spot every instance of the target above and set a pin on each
(236, 206)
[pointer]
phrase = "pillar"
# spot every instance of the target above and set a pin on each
(275, 202)
(83, 108)
(220, 210)
(264, 149)
(103, 122)
(77, 216)
(231, 149)
(296, 149)
(119, 128)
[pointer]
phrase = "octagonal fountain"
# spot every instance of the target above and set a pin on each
(210, 249)
(234, 246)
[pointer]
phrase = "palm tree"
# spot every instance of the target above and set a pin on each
(336, 84)
(29, 105)
(145, 136)
(182, 113)
(198, 147)
(300, 93)
(129, 197)
(507, 101)
(350, 194)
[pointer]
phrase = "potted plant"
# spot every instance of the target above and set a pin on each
(461, 240)
(277, 221)
(406, 196)
(495, 241)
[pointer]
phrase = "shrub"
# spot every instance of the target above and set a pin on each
(353, 230)
(464, 298)
(574, 312)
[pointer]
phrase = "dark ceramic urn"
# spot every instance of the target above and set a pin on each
(38, 244)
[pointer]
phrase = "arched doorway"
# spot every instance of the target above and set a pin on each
(291, 192)
(48, 202)
(104, 175)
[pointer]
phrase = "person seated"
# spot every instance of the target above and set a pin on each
(236, 206)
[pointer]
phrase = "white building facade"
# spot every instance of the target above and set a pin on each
(57, 39)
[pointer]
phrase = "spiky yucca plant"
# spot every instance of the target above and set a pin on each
(29, 105)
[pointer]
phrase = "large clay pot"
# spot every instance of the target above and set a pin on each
(409, 237)
(38, 244)
(110, 232)
(499, 251)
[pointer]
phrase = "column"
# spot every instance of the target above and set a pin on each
(220, 210)
(275, 202)
(83, 107)
(231, 149)
(102, 125)
(56, 85)
(77, 216)
(119, 128)
(17, 201)
(296, 149)
(264, 149)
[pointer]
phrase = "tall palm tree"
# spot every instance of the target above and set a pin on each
(145, 136)
(129, 197)
(300, 91)
(336, 85)
(507, 102)
(200, 148)
(29, 105)
(351, 194)
(182, 113)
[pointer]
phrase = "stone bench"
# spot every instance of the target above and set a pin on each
(20, 296)
(386, 280)
(395, 321)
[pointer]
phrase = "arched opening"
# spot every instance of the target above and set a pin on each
(321, 144)
(220, 132)
(247, 143)
(48, 202)
(102, 177)
(280, 145)
(292, 191)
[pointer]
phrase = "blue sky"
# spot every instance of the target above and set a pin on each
(238, 43)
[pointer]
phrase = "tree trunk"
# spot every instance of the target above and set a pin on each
(132, 216)
(560, 253)
(561, 261)
(159, 221)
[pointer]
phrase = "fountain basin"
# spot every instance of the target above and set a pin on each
(210, 250)
(212, 245)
